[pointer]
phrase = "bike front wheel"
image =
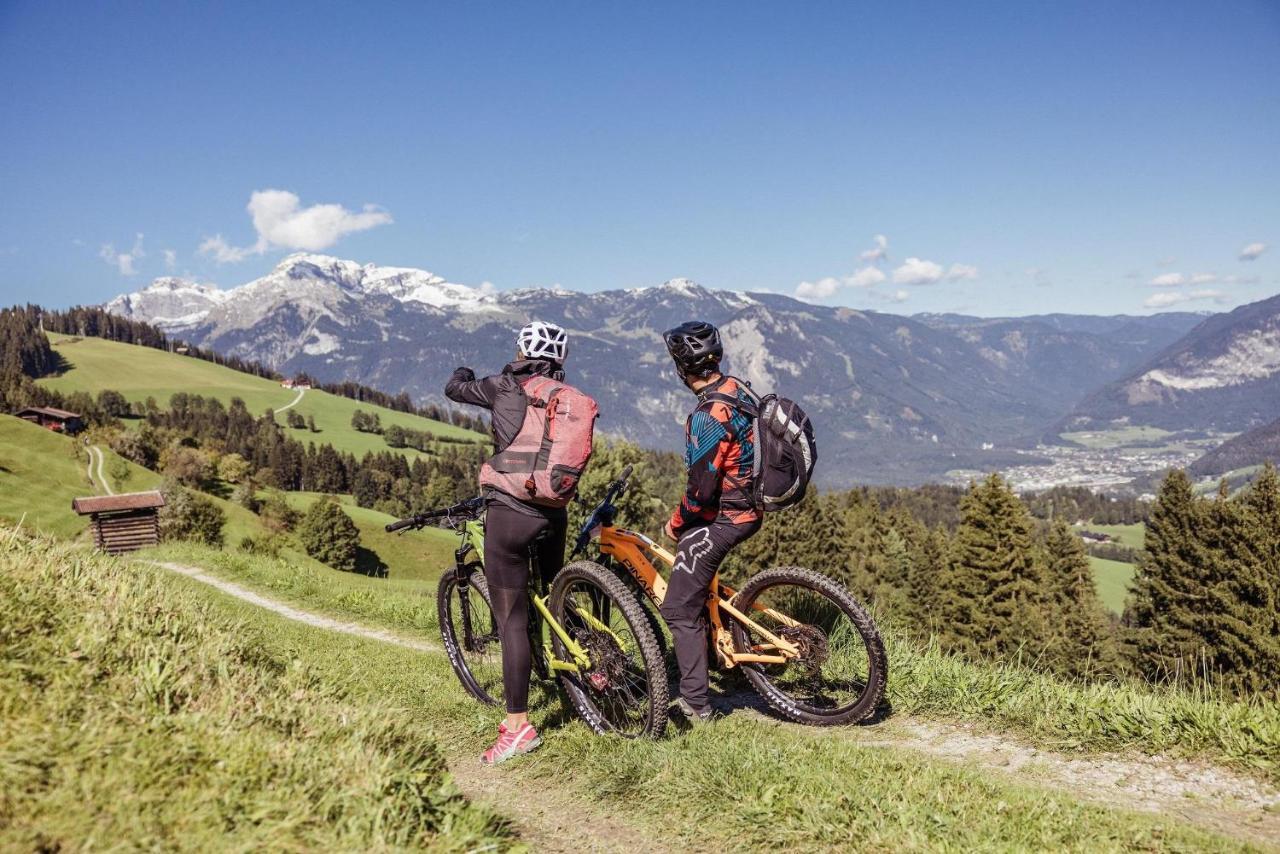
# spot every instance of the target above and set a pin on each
(840, 671)
(470, 633)
(623, 690)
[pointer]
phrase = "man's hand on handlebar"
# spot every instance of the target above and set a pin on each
(669, 533)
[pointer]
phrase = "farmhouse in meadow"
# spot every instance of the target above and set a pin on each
(57, 420)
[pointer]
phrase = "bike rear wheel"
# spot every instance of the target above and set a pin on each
(624, 690)
(470, 633)
(840, 675)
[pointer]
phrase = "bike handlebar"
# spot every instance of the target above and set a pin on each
(463, 508)
(603, 509)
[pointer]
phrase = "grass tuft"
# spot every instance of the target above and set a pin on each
(133, 711)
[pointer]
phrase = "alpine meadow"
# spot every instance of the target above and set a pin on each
(689, 427)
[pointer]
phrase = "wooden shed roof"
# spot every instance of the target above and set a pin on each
(113, 503)
(52, 412)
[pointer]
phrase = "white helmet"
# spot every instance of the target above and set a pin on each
(538, 340)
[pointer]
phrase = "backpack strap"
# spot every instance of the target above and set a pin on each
(539, 384)
(751, 409)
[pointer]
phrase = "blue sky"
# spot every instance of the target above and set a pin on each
(1017, 158)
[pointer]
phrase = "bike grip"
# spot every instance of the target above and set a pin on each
(403, 523)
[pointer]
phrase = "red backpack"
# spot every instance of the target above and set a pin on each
(544, 462)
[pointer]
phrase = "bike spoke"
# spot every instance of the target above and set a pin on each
(616, 682)
(832, 668)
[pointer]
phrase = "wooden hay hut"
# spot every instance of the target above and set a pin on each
(122, 523)
(58, 420)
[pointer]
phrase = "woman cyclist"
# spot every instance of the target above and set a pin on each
(516, 529)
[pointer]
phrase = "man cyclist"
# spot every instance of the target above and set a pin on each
(516, 529)
(717, 511)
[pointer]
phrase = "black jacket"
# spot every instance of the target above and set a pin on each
(501, 394)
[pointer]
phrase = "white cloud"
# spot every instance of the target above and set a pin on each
(962, 271)
(1168, 298)
(124, 262)
(282, 222)
(223, 252)
(918, 272)
(820, 289)
(489, 288)
(1252, 251)
(900, 295)
(1168, 280)
(876, 255)
(865, 278)
(170, 259)
(1202, 278)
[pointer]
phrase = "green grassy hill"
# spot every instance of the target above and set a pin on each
(1112, 578)
(410, 556)
(41, 471)
(1126, 535)
(167, 722)
(792, 788)
(142, 372)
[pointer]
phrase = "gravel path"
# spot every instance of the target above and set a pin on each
(291, 404)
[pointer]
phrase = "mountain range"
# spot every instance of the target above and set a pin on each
(895, 399)
(1223, 375)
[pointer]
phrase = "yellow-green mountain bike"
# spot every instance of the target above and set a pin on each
(589, 630)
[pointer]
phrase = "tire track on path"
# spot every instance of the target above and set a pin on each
(95, 472)
(1196, 792)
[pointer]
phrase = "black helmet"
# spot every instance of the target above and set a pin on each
(695, 347)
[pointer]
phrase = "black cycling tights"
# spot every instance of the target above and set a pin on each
(509, 536)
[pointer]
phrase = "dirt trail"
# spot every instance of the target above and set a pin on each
(289, 612)
(291, 404)
(94, 469)
(1197, 792)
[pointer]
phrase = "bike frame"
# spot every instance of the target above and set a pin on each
(633, 550)
(472, 534)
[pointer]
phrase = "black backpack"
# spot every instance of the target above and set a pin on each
(786, 450)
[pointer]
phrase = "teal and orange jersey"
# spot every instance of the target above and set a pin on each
(720, 452)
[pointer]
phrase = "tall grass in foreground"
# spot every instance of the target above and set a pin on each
(923, 680)
(133, 713)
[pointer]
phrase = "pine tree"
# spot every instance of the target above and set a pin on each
(1170, 593)
(1082, 642)
(1242, 629)
(927, 577)
(992, 605)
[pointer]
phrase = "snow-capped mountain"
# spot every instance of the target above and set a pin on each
(171, 302)
(896, 399)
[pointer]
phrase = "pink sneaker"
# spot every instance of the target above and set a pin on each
(511, 744)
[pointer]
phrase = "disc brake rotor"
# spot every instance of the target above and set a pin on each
(811, 643)
(608, 661)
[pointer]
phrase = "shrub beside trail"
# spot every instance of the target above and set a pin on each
(130, 709)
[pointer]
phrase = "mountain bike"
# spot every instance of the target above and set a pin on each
(588, 630)
(806, 645)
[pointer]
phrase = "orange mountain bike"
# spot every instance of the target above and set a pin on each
(807, 646)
